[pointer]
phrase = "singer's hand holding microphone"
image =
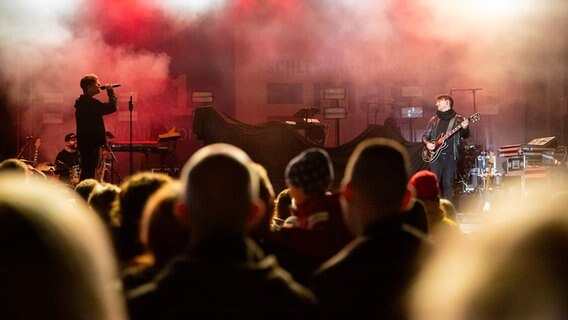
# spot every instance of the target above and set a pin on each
(109, 86)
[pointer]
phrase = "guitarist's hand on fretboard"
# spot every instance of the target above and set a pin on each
(465, 123)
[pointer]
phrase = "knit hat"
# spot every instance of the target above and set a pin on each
(70, 136)
(426, 184)
(311, 171)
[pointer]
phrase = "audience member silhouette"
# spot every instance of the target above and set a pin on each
(15, 166)
(57, 261)
(451, 211)
(224, 274)
(162, 233)
(284, 206)
(369, 278)
(101, 199)
(128, 206)
(319, 231)
(427, 189)
(85, 187)
(515, 269)
(263, 227)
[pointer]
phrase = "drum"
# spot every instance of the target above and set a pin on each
(45, 167)
(497, 179)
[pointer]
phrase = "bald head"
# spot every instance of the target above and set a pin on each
(377, 175)
(220, 189)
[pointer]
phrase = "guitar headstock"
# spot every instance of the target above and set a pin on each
(475, 117)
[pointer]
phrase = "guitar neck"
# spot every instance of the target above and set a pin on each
(472, 118)
(449, 134)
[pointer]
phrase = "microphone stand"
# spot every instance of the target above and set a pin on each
(130, 108)
(23, 148)
(473, 90)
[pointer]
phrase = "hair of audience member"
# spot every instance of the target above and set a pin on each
(14, 166)
(283, 204)
(266, 195)
(450, 209)
(85, 187)
(162, 232)
(221, 189)
(375, 182)
(101, 200)
(378, 169)
(57, 259)
(513, 270)
(128, 207)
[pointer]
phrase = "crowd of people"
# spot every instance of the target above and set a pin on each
(221, 242)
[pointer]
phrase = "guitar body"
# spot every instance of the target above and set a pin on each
(433, 155)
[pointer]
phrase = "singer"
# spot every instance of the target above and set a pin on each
(91, 133)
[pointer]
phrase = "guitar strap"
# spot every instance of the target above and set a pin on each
(451, 124)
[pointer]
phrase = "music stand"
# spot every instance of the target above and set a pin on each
(334, 111)
(411, 112)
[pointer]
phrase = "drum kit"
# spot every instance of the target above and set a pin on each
(40, 170)
(477, 171)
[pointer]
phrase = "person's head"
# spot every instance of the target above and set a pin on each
(309, 174)
(71, 141)
(514, 269)
(283, 205)
(444, 102)
(127, 207)
(57, 259)
(85, 187)
(15, 166)
(426, 185)
(450, 209)
(101, 200)
(221, 192)
(90, 85)
(162, 232)
(266, 196)
(375, 183)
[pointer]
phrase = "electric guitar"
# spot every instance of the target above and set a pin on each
(440, 143)
(37, 144)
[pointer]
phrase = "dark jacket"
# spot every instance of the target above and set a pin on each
(369, 278)
(224, 279)
(89, 114)
(433, 132)
(321, 232)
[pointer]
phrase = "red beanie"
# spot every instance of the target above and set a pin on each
(426, 184)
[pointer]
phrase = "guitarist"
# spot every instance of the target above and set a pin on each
(446, 119)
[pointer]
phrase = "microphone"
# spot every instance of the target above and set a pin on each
(29, 138)
(114, 85)
(130, 103)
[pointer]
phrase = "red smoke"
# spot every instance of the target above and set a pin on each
(129, 22)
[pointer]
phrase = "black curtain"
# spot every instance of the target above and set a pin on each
(273, 144)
